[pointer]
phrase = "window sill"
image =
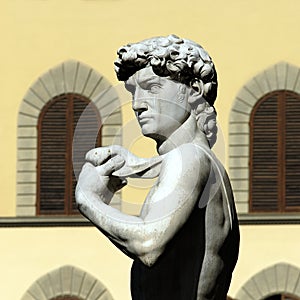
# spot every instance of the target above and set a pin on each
(79, 221)
(269, 218)
(45, 221)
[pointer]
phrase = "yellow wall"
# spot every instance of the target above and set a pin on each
(243, 37)
(29, 253)
(262, 247)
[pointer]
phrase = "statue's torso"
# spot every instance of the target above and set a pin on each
(175, 274)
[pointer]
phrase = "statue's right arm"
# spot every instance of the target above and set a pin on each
(169, 204)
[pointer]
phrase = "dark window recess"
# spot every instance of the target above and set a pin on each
(61, 150)
(275, 153)
(282, 297)
(66, 298)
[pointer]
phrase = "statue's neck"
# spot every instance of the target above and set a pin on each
(188, 132)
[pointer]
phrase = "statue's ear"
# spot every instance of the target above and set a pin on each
(196, 91)
(197, 86)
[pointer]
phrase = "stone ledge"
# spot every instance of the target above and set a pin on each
(79, 221)
(44, 221)
(268, 219)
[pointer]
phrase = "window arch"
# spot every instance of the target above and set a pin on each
(70, 77)
(56, 126)
(67, 283)
(274, 153)
(281, 279)
(280, 77)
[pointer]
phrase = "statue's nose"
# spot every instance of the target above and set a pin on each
(139, 106)
(139, 101)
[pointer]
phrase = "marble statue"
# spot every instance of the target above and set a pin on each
(185, 241)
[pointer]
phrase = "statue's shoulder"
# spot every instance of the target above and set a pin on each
(187, 157)
(190, 151)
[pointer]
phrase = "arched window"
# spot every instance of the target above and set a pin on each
(277, 280)
(69, 77)
(56, 126)
(275, 153)
(67, 283)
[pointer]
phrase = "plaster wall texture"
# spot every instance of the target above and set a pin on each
(242, 37)
(30, 253)
(263, 246)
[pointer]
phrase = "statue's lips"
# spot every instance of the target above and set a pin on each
(144, 118)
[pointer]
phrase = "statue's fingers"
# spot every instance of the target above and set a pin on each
(87, 176)
(98, 155)
(115, 163)
(119, 150)
(86, 169)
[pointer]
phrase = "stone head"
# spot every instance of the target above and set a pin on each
(170, 78)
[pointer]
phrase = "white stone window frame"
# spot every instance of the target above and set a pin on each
(67, 281)
(282, 76)
(68, 77)
(281, 278)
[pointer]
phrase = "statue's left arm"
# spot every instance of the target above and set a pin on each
(220, 229)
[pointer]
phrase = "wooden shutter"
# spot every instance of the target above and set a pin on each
(52, 158)
(264, 159)
(88, 136)
(292, 152)
(289, 297)
(275, 153)
(57, 124)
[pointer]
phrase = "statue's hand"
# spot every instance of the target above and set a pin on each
(99, 179)
(134, 166)
(99, 155)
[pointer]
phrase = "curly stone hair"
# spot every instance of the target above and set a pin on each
(179, 59)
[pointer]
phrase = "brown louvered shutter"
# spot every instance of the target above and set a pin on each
(292, 152)
(52, 158)
(86, 135)
(264, 160)
(274, 153)
(57, 125)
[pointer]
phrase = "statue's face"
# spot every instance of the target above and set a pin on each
(160, 104)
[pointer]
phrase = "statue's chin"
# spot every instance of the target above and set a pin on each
(153, 132)
(148, 131)
(159, 139)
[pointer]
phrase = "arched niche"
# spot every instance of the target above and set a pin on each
(281, 278)
(282, 76)
(67, 281)
(68, 77)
